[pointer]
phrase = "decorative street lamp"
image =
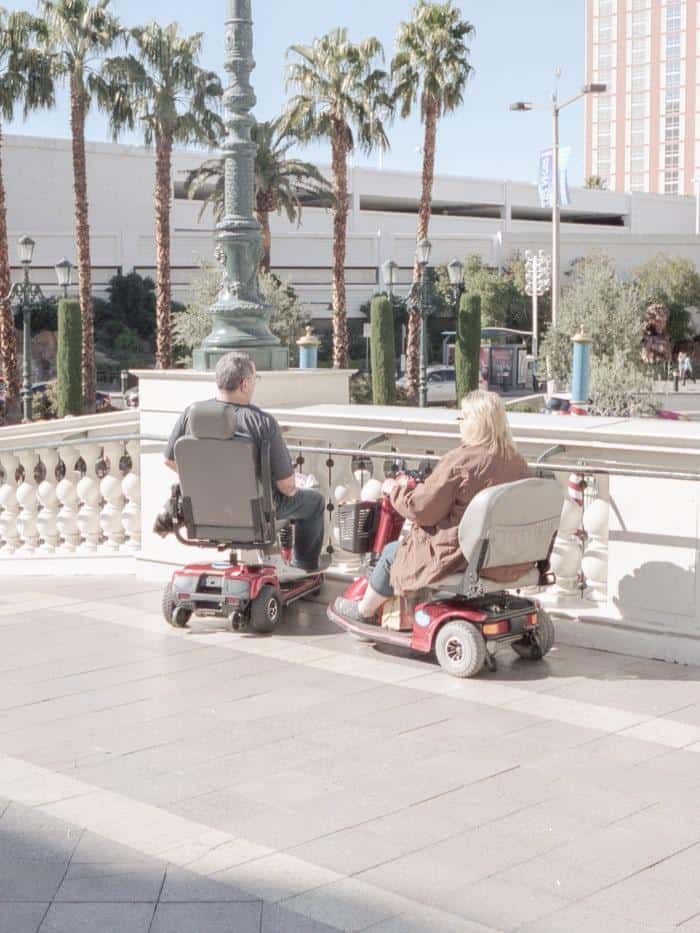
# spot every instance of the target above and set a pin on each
(27, 296)
(239, 315)
(390, 274)
(455, 273)
(556, 108)
(538, 278)
(64, 269)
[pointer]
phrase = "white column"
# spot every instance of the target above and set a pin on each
(568, 552)
(131, 488)
(594, 565)
(28, 504)
(9, 510)
(88, 490)
(47, 520)
(113, 500)
(67, 494)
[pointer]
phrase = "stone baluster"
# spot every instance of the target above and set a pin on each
(28, 503)
(9, 510)
(45, 476)
(112, 499)
(567, 552)
(66, 491)
(131, 488)
(596, 523)
(88, 490)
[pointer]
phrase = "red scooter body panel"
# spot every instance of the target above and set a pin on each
(429, 617)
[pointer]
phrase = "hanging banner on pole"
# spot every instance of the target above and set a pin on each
(545, 182)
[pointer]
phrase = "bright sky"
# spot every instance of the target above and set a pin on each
(515, 51)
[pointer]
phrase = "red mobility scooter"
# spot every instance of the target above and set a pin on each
(466, 618)
(224, 500)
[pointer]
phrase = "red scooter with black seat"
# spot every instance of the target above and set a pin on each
(466, 618)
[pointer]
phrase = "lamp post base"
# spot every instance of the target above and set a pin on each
(265, 358)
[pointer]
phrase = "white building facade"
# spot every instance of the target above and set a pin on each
(495, 219)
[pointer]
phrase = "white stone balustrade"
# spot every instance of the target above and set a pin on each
(63, 492)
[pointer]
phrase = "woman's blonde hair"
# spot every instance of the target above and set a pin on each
(484, 423)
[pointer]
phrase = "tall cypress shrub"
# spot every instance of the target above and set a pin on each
(68, 358)
(383, 351)
(468, 347)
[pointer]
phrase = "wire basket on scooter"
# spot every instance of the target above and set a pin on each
(357, 522)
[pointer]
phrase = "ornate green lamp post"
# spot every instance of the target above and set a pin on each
(239, 315)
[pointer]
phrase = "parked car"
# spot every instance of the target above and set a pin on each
(442, 386)
(103, 402)
(131, 397)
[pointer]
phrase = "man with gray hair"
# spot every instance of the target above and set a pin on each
(235, 385)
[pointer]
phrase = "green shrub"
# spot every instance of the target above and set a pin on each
(468, 346)
(383, 351)
(68, 370)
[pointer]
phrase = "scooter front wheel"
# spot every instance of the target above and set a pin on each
(172, 613)
(265, 610)
(460, 649)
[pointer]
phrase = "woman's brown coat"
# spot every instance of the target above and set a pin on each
(431, 550)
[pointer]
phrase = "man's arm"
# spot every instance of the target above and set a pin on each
(179, 428)
(281, 463)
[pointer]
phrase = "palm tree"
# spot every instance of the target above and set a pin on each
(25, 79)
(341, 96)
(79, 34)
(281, 183)
(431, 65)
(163, 89)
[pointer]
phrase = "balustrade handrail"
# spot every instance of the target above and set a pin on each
(596, 468)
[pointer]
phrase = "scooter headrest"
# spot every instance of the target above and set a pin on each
(212, 420)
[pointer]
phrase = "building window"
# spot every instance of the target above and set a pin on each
(640, 52)
(640, 4)
(639, 78)
(640, 24)
(673, 17)
(671, 183)
(605, 7)
(639, 106)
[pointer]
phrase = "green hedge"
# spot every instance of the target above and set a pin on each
(468, 348)
(68, 368)
(383, 350)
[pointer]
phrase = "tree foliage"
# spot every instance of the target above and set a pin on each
(609, 311)
(674, 282)
(503, 299)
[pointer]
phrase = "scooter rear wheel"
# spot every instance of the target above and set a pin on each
(539, 643)
(460, 648)
(265, 610)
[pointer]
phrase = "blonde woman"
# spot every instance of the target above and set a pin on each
(486, 457)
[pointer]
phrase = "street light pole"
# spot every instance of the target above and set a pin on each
(556, 211)
(26, 306)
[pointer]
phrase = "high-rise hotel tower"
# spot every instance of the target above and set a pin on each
(643, 135)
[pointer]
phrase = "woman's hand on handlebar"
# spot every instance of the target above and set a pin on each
(391, 483)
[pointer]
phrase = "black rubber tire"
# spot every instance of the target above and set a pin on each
(535, 646)
(266, 610)
(168, 605)
(460, 649)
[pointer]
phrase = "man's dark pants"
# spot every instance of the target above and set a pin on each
(305, 508)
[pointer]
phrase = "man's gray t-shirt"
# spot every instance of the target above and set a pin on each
(251, 422)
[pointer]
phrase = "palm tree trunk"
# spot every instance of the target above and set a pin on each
(424, 211)
(340, 224)
(8, 335)
(82, 238)
(263, 217)
(164, 148)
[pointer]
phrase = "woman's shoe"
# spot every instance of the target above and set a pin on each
(350, 609)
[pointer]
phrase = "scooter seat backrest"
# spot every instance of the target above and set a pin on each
(225, 480)
(511, 524)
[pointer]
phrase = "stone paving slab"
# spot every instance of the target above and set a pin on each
(203, 780)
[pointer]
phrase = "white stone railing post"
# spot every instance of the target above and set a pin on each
(131, 488)
(594, 566)
(9, 509)
(113, 500)
(568, 552)
(67, 495)
(88, 490)
(47, 520)
(28, 503)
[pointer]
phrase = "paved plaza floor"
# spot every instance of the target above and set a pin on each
(162, 781)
